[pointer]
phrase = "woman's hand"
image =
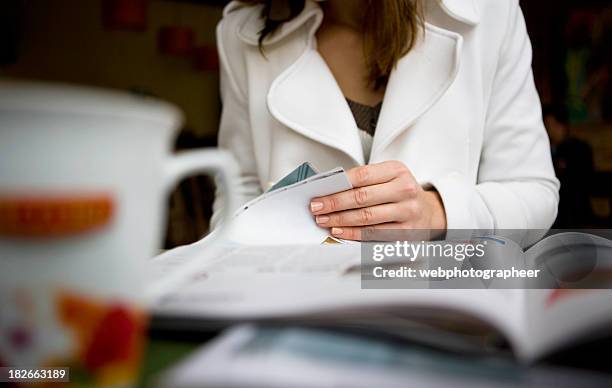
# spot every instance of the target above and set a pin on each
(385, 196)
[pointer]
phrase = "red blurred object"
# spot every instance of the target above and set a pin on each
(125, 14)
(205, 58)
(175, 40)
(113, 339)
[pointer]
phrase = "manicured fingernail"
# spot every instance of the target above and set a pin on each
(316, 206)
(322, 219)
(336, 231)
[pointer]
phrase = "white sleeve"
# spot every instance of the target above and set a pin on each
(516, 186)
(235, 134)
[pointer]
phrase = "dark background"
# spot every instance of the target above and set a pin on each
(117, 44)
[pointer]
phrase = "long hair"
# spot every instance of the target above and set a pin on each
(390, 29)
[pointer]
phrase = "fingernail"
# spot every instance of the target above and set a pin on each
(316, 206)
(322, 219)
(336, 231)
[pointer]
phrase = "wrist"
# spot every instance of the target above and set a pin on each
(438, 215)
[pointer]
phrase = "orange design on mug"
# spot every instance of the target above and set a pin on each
(109, 339)
(54, 214)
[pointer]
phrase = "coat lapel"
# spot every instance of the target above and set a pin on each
(420, 78)
(307, 99)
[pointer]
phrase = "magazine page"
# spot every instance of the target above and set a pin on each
(317, 284)
(571, 301)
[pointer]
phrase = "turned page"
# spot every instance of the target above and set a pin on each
(282, 216)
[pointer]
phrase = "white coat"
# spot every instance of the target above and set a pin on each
(460, 111)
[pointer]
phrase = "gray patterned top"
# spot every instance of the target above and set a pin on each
(366, 118)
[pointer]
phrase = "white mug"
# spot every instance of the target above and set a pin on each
(84, 178)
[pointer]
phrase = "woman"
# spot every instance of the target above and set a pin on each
(444, 86)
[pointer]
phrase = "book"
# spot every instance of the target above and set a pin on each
(314, 285)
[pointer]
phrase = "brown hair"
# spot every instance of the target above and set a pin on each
(390, 30)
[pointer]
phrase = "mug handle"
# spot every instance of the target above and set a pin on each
(186, 163)
(210, 161)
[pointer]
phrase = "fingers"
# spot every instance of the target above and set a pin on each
(377, 173)
(358, 233)
(362, 197)
(389, 182)
(385, 196)
(402, 212)
(365, 216)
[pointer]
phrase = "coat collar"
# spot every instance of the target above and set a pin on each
(306, 97)
(249, 31)
(465, 11)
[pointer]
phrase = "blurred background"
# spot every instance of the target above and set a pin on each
(166, 48)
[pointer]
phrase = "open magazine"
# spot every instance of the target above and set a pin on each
(273, 265)
(317, 285)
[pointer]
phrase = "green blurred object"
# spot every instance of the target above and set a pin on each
(159, 355)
